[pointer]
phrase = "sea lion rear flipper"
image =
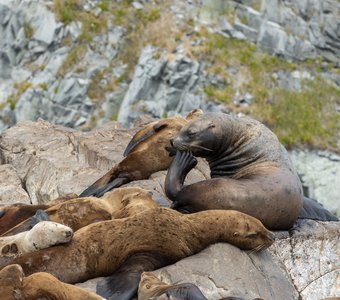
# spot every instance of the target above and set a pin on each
(123, 284)
(314, 210)
(40, 215)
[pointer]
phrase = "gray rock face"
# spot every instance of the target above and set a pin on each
(11, 190)
(320, 174)
(51, 161)
(162, 86)
(292, 29)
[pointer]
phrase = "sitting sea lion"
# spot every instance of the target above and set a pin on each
(144, 155)
(144, 242)
(250, 171)
(43, 235)
(14, 285)
(80, 212)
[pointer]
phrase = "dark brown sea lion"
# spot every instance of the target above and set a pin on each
(15, 286)
(11, 215)
(144, 155)
(80, 212)
(144, 242)
(250, 170)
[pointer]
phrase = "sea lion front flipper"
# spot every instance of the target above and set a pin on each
(40, 215)
(146, 132)
(185, 291)
(179, 168)
(123, 284)
(111, 185)
(314, 210)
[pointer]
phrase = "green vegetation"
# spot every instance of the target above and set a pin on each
(308, 117)
(43, 86)
(21, 87)
(75, 55)
(28, 29)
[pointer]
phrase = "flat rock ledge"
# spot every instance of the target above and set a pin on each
(40, 162)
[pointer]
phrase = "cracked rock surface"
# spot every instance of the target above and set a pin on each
(40, 162)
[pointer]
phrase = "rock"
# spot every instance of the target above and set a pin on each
(223, 270)
(162, 86)
(312, 246)
(320, 175)
(11, 190)
(51, 161)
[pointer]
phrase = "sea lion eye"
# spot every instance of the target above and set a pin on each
(191, 132)
(148, 286)
(236, 233)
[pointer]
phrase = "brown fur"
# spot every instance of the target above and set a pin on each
(100, 248)
(146, 152)
(251, 171)
(14, 286)
(80, 212)
(17, 213)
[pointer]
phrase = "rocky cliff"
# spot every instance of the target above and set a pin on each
(41, 161)
(82, 63)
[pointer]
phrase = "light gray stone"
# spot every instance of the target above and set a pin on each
(320, 174)
(11, 190)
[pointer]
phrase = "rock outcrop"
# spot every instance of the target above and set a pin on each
(41, 161)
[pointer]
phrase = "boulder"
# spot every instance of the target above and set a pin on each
(50, 161)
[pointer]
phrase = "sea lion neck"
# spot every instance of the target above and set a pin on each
(205, 226)
(226, 158)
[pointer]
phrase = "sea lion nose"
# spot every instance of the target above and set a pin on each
(69, 233)
(172, 142)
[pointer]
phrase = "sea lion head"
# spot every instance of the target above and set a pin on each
(47, 233)
(250, 234)
(199, 136)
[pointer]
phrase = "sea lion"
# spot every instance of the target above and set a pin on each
(144, 155)
(150, 287)
(12, 215)
(144, 242)
(250, 170)
(14, 285)
(43, 235)
(80, 212)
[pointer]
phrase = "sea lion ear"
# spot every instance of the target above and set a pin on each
(194, 114)
(211, 125)
(159, 126)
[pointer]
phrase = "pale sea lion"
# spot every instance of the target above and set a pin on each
(144, 155)
(43, 235)
(144, 242)
(15, 286)
(11, 215)
(250, 171)
(80, 212)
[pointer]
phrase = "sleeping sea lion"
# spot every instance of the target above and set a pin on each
(250, 171)
(144, 155)
(43, 235)
(11, 215)
(80, 212)
(15, 286)
(144, 242)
